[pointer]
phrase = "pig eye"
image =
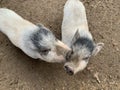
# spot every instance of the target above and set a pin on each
(45, 52)
(69, 55)
(86, 58)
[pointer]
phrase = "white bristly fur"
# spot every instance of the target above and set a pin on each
(75, 21)
(21, 33)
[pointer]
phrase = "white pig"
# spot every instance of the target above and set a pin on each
(36, 41)
(75, 33)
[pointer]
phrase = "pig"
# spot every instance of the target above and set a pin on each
(76, 34)
(37, 41)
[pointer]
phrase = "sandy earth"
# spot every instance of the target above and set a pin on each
(19, 72)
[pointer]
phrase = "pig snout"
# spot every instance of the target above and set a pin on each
(68, 70)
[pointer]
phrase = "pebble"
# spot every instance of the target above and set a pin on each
(97, 77)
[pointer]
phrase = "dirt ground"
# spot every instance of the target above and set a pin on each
(19, 72)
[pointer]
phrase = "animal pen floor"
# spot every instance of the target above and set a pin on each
(19, 72)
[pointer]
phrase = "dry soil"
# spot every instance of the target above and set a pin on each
(19, 72)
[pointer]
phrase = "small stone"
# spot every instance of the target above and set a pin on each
(117, 49)
(90, 69)
(97, 77)
(115, 44)
(110, 76)
(83, 83)
(63, 88)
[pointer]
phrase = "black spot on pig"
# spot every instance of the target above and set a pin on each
(38, 37)
(83, 41)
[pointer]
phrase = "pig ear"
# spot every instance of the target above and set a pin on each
(61, 48)
(76, 36)
(97, 48)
